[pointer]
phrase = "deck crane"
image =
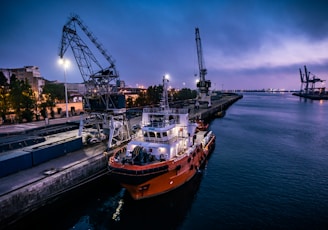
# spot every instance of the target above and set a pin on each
(203, 85)
(102, 102)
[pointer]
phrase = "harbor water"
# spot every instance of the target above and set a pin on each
(269, 170)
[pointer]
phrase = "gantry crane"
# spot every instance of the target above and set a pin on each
(305, 79)
(104, 105)
(203, 85)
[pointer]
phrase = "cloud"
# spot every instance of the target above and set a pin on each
(240, 38)
(282, 51)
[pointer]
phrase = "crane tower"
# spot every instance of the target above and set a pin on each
(203, 85)
(104, 105)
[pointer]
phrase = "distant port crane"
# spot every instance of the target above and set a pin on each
(203, 85)
(102, 101)
(306, 80)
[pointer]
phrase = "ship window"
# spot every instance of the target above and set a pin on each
(151, 134)
(164, 134)
(145, 134)
(158, 135)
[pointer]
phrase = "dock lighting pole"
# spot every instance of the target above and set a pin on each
(65, 63)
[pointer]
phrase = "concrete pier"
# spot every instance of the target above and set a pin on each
(30, 189)
(219, 105)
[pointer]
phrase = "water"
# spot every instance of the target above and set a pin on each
(269, 171)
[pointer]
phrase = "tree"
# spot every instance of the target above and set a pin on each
(140, 100)
(54, 91)
(154, 94)
(185, 94)
(4, 96)
(51, 93)
(129, 102)
(29, 101)
(15, 96)
(22, 99)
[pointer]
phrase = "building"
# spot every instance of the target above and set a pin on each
(76, 91)
(31, 73)
(132, 93)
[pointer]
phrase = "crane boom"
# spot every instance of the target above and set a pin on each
(201, 63)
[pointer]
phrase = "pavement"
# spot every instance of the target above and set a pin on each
(22, 127)
(25, 177)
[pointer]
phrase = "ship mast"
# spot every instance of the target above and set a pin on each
(165, 97)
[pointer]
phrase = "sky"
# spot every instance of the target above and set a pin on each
(246, 44)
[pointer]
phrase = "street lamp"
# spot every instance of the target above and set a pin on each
(65, 63)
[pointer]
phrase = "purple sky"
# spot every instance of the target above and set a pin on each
(247, 44)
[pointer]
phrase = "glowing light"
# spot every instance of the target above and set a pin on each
(161, 150)
(64, 62)
(132, 147)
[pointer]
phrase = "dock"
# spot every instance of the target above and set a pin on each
(309, 90)
(218, 106)
(313, 96)
(27, 190)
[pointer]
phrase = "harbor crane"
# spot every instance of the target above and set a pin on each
(203, 85)
(100, 85)
(305, 79)
(103, 103)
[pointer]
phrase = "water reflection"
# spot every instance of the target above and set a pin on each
(163, 212)
(120, 211)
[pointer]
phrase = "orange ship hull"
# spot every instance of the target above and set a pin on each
(144, 181)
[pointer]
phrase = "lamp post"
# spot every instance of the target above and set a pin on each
(65, 63)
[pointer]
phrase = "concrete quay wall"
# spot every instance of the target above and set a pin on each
(30, 197)
(217, 106)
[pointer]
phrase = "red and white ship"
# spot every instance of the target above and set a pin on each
(166, 152)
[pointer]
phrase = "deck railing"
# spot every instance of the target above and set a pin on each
(168, 111)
